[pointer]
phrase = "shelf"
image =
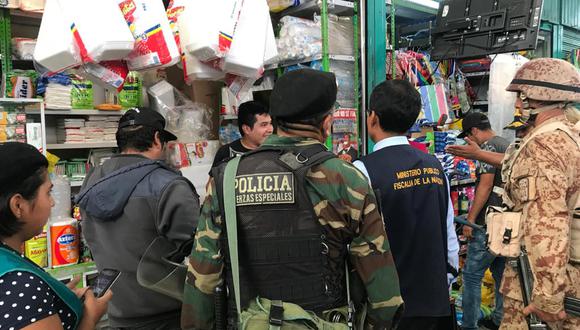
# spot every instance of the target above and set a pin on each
(21, 101)
(77, 112)
(456, 183)
(481, 103)
(345, 58)
(476, 74)
(28, 14)
(309, 8)
(70, 146)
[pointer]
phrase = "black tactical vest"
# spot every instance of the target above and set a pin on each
(282, 249)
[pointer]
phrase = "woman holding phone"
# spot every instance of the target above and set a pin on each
(30, 298)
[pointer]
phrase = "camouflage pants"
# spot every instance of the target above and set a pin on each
(514, 318)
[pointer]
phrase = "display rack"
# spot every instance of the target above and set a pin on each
(27, 102)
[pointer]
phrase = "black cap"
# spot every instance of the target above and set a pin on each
(18, 161)
(146, 117)
(303, 94)
(471, 120)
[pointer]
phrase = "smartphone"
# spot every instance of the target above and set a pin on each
(103, 281)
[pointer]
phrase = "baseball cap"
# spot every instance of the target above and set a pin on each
(303, 94)
(146, 117)
(471, 120)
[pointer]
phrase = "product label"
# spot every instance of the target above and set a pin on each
(64, 245)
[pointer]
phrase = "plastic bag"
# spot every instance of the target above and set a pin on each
(23, 48)
(277, 6)
(340, 35)
(82, 96)
(190, 121)
(110, 74)
(299, 39)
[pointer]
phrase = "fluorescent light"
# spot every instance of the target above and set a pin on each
(426, 3)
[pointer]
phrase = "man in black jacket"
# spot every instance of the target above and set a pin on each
(127, 203)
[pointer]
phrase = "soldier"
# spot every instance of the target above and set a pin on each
(293, 240)
(542, 182)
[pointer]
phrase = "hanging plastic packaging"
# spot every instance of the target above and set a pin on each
(254, 35)
(212, 25)
(193, 68)
(154, 41)
(109, 74)
(55, 48)
(174, 10)
(99, 39)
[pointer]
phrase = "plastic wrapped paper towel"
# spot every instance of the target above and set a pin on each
(502, 102)
(155, 44)
(55, 48)
(99, 39)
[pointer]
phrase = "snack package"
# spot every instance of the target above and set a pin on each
(19, 84)
(130, 95)
(82, 95)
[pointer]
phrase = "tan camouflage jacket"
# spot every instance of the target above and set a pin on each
(544, 181)
(347, 210)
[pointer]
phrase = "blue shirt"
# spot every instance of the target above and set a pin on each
(452, 242)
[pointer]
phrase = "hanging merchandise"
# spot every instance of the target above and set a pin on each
(435, 102)
(82, 95)
(130, 96)
(110, 74)
(254, 42)
(55, 48)
(32, 5)
(277, 6)
(174, 10)
(155, 44)
(19, 84)
(502, 102)
(194, 69)
(212, 25)
(98, 39)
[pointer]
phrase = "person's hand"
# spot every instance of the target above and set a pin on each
(95, 308)
(72, 285)
(468, 232)
(544, 316)
(468, 151)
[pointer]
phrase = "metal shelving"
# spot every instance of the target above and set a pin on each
(85, 145)
(309, 8)
(77, 112)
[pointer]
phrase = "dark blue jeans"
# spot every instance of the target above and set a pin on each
(478, 260)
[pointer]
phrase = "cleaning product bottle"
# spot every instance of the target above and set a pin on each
(463, 202)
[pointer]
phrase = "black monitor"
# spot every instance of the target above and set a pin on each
(475, 28)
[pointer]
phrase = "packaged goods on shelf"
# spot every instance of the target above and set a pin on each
(34, 135)
(23, 48)
(70, 130)
(32, 5)
(130, 95)
(36, 249)
(64, 242)
(340, 35)
(229, 133)
(154, 41)
(13, 133)
(99, 39)
(277, 6)
(61, 193)
(55, 48)
(19, 84)
(82, 95)
(254, 41)
(202, 152)
(299, 39)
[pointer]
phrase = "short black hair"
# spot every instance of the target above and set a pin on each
(140, 138)
(28, 188)
(483, 126)
(397, 104)
(316, 121)
(247, 113)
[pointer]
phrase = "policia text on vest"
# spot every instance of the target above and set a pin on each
(417, 177)
(265, 188)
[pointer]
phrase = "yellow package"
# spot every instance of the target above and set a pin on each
(36, 250)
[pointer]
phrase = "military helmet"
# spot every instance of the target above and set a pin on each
(547, 79)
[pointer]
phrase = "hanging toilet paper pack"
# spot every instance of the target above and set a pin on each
(154, 41)
(174, 10)
(55, 48)
(104, 39)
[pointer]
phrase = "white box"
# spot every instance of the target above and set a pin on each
(34, 135)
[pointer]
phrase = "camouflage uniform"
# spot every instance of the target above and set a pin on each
(347, 211)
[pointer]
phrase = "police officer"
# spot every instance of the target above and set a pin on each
(298, 208)
(542, 182)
